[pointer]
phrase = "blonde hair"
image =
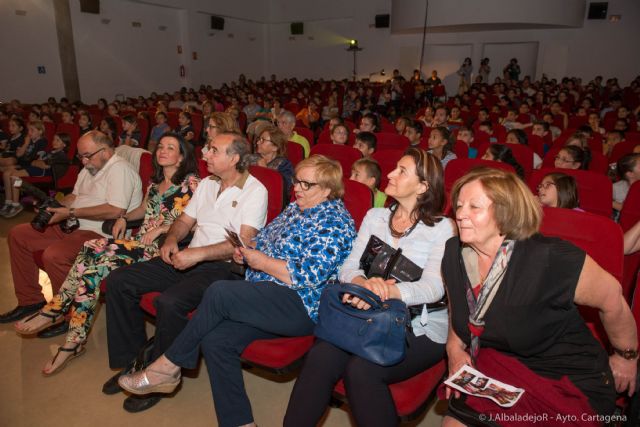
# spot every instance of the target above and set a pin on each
(38, 125)
(225, 122)
(328, 174)
(515, 209)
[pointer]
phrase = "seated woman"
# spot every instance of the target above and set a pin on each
(185, 129)
(271, 152)
(502, 153)
(628, 169)
(507, 321)
(559, 190)
(441, 145)
(174, 180)
(415, 224)
(53, 164)
(84, 122)
(109, 127)
(296, 255)
(570, 157)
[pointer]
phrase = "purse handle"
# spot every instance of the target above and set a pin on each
(363, 293)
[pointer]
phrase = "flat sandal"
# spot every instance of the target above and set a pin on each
(55, 319)
(76, 352)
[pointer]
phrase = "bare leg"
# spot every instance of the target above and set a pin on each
(451, 422)
(16, 191)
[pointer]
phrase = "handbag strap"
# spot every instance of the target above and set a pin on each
(363, 293)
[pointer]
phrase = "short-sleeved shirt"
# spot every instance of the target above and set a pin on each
(31, 153)
(299, 139)
(244, 203)
(620, 191)
(533, 316)
(314, 243)
(117, 184)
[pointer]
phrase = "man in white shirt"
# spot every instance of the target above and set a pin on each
(231, 198)
(105, 188)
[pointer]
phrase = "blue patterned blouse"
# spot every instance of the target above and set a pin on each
(314, 243)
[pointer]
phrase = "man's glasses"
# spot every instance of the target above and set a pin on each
(304, 185)
(88, 157)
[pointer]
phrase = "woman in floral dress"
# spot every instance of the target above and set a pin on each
(173, 182)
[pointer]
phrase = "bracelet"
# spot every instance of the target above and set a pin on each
(72, 212)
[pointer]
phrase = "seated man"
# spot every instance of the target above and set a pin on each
(106, 188)
(413, 132)
(286, 123)
(231, 198)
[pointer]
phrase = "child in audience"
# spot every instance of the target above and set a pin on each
(84, 122)
(159, 129)
(613, 138)
(518, 136)
(487, 127)
(130, 134)
(502, 153)
(401, 124)
(628, 169)
(366, 143)
(53, 164)
(339, 134)
(185, 129)
(455, 121)
(559, 190)
(441, 146)
(108, 127)
(465, 134)
(413, 132)
(570, 157)
(16, 140)
(367, 171)
(369, 123)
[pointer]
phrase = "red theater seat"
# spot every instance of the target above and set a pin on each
(342, 153)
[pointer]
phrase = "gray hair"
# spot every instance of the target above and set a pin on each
(240, 146)
(288, 116)
(100, 138)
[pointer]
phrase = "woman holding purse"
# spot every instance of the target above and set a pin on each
(414, 224)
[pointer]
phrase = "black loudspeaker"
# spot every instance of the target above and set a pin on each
(217, 23)
(90, 6)
(382, 21)
(598, 10)
(297, 28)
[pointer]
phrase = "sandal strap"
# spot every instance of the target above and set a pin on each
(52, 316)
(75, 349)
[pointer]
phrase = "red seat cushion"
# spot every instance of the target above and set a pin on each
(277, 353)
(410, 394)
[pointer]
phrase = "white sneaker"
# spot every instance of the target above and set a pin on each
(13, 211)
(4, 209)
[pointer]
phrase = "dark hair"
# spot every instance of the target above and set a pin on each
(368, 138)
(626, 164)
(416, 126)
(446, 135)
(502, 153)
(187, 166)
(374, 120)
(520, 135)
(113, 128)
(430, 204)
(161, 113)
(566, 188)
(578, 155)
(186, 114)
(584, 146)
(18, 120)
(130, 118)
(542, 123)
(486, 123)
(65, 138)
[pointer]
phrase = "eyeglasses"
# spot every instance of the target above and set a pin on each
(564, 159)
(213, 127)
(261, 140)
(545, 185)
(304, 185)
(87, 157)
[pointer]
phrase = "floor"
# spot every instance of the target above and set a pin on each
(74, 398)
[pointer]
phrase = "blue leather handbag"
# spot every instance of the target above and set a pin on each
(376, 334)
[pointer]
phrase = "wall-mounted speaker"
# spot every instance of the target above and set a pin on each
(598, 10)
(297, 28)
(382, 21)
(217, 23)
(90, 6)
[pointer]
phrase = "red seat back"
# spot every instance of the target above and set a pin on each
(387, 140)
(621, 149)
(143, 126)
(146, 169)
(306, 132)
(595, 191)
(295, 152)
(457, 168)
(202, 169)
(358, 199)
(271, 179)
(342, 153)
(461, 149)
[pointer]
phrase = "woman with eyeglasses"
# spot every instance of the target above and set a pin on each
(294, 258)
(559, 190)
(271, 152)
(415, 224)
(173, 182)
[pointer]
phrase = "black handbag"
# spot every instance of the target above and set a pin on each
(381, 260)
(376, 334)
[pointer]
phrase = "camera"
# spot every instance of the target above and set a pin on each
(42, 218)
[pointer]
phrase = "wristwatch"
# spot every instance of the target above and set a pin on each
(629, 354)
(72, 212)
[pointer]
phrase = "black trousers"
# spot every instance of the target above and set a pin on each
(366, 383)
(232, 315)
(182, 291)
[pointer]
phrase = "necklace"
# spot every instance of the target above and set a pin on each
(399, 234)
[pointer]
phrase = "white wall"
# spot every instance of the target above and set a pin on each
(27, 42)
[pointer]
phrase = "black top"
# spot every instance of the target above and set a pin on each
(533, 316)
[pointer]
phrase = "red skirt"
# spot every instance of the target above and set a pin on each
(545, 402)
